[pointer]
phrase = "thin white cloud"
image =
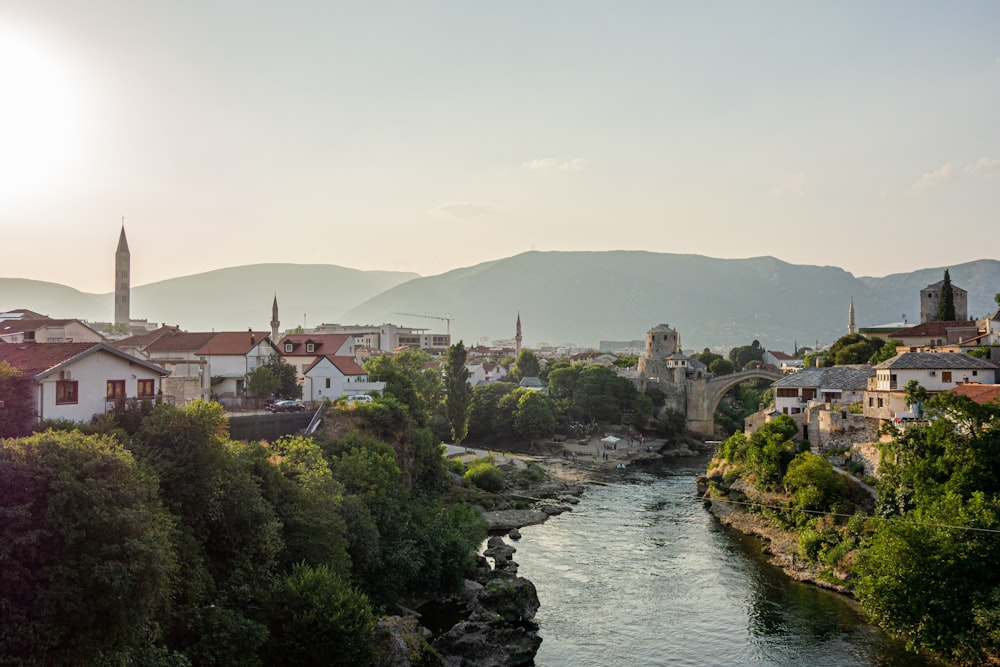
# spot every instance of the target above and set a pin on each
(464, 209)
(984, 165)
(793, 185)
(556, 164)
(932, 179)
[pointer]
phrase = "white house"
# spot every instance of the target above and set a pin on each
(331, 377)
(303, 350)
(835, 384)
(231, 355)
(47, 330)
(79, 380)
(934, 371)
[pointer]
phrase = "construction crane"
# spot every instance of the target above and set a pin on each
(446, 319)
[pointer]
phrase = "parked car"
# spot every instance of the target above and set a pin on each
(286, 406)
(359, 398)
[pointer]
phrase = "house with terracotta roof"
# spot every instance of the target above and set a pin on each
(934, 371)
(782, 361)
(209, 365)
(76, 381)
(47, 330)
(828, 385)
(936, 334)
(303, 350)
(330, 377)
(230, 356)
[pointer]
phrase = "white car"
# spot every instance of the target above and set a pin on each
(359, 398)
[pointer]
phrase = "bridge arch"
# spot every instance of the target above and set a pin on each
(703, 396)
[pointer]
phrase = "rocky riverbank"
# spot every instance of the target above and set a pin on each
(490, 623)
(781, 546)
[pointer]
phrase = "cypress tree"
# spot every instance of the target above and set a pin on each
(458, 399)
(946, 307)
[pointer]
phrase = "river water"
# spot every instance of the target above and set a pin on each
(639, 573)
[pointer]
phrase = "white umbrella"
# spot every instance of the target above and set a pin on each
(610, 439)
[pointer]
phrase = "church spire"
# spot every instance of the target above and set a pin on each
(851, 329)
(123, 282)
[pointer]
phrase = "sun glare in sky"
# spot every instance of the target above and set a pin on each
(41, 116)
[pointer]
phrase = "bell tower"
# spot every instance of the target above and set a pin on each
(122, 279)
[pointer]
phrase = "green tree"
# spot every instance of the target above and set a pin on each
(741, 356)
(484, 414)
(527, 366)
(410, 380)
(915, 396)
(87, 560)
(946, 306)
(721, 366)
(533, 416)
(262, 382)
(458, 392)
(884, 353)
(287, 376)
(316, 618)
(852, 349)
(18, 410)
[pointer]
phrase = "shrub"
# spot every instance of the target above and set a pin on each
(485, 474)
(810, 544)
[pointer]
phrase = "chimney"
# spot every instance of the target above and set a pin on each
(252, 337)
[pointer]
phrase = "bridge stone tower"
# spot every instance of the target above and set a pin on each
(661, 343)
(122, 279)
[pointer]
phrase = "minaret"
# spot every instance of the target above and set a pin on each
(122, 280)
(275, 323)
(517, 338)
(851, 329)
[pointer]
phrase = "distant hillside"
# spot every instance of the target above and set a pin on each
(584, 297)
(227, 299)
(578, 297)
(52, 299)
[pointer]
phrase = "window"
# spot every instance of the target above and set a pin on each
(328, 383)
(288, 347)
(892, 381)
(945, 376)
(147, 388)
(116, 389)
(310, 347)
(871, 402)
(880, 401)
(66, 392)
(974, 373)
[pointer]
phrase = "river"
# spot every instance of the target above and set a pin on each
(639, 573)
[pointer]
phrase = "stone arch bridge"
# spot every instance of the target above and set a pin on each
(703, 396)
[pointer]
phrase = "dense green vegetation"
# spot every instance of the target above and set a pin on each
(925, 565)
(579, 395)
(153, 539)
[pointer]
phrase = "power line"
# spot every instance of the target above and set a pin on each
(887, 519)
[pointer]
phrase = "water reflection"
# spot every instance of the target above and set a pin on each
(640, 574)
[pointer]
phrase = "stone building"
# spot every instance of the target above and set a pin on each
(662, 343)
(930, 301)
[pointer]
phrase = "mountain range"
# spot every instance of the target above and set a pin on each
(579, 297)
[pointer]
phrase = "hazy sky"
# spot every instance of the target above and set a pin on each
(424, 136)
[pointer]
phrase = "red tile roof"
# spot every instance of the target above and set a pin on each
(19, 326)
(143, 340)
(232, 342)
(34, 359)
(324, 344)
(934, 328)
(979, 393)
(346, 365)
(180, 341)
